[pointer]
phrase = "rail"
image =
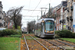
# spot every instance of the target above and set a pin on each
(66, 43)
(39, 43)
(26, 42)
(55, 44)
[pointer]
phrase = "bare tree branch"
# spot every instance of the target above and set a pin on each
(15, 15)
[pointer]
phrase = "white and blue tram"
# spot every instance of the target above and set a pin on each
(45, 27)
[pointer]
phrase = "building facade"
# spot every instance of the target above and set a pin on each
(65, 24)
(1, 15)
(58, 24)
(60, 11)
(70, 14)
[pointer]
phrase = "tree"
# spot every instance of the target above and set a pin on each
(31, 26)
(15, 15)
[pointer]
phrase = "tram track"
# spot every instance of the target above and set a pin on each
(34, 44)
(22, 45)
(66, 43)
(26, 42)
(45, 44)
(50, 46)
(60, 44)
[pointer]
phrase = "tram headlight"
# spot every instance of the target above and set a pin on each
(42, 20)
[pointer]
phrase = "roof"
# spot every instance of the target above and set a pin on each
(63, 3)
(39, 21)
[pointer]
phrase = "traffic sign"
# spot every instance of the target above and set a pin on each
(73, 26)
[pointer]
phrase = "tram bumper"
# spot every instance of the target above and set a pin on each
(49, 35)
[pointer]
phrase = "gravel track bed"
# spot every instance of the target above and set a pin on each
(23, 46)
(58, 43)
(68, 42)
(32, 44)
(48, 45)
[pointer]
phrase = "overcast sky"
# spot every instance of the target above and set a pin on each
(31, 5)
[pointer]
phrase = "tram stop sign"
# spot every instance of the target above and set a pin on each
(73, 26)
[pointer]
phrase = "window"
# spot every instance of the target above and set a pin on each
(1, 24)
(57, 21)
(0, 12)
(0, 17)
(57, 27)
(49, 25)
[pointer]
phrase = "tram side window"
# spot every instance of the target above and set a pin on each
(41, 27)
(35, 27)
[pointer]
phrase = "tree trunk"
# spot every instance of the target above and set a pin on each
(15, 22)
(15, 26)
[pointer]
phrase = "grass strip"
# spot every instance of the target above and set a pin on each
(19, 43)
(15, 35)
(28, 38)
(68, 39)
(9, 43)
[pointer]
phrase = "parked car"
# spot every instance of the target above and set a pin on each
(2, 28)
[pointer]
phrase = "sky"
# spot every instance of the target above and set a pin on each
(28, 16)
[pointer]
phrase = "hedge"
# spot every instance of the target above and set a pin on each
(10, 32)
(65, 34)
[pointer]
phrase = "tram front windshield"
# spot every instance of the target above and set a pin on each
(49, 25)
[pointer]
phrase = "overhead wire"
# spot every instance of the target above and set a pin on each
(36, 6)
(34, 9)
(31, 10)
(29, 16)
(29, 6)
(45, 6)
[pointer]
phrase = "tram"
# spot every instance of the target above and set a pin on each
(45, 27)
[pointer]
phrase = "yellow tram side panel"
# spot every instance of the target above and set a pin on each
(49, 31)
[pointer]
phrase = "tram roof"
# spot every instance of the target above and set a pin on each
(40, 20)
(47, 19)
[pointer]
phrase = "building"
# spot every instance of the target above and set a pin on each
(70, 14)
(73, 16)
(10, 24)
(57, 11)
(1, 15)
(65, 23)
(58, 24)
(4, 18)
(63, 14)
(60, 15)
